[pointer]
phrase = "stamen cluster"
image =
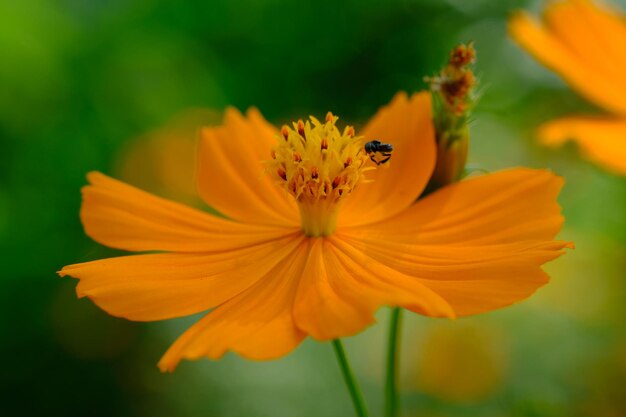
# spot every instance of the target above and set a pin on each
(319, 165)
(316, 161)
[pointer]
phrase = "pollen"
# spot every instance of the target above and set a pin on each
(319, 165)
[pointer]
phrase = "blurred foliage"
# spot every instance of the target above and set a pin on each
(99, 85)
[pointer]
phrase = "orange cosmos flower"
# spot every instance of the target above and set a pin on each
(585, 45)
(322, 241)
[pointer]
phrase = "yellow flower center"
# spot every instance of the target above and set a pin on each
(319, 166)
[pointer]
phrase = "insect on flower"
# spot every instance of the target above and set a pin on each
(378, 152)
(319, 243)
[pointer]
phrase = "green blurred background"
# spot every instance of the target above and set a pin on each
(95, 84)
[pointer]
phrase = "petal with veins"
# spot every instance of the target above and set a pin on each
(479, 244)
(257, 324)
(230, 171)
(162, 286)
(124, 217)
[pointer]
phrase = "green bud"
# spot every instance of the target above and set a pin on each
(451, 157)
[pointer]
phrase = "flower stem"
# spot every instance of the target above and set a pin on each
(348, 376)
(391, 395)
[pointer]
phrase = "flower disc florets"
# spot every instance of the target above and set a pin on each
(319, 166)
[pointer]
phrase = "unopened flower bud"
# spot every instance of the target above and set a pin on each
(451, 158)
(453, 99)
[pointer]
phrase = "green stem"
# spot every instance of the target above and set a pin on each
(348, 376)
(391, 394)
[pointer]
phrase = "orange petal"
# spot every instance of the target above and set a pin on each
(331, 302)
(162, 286)
(479, 244)
(406, 123)
(124, 217)
(507, 206)
(576, 26)
(385, 283)
(608, 29)
(257, 324)
(601, 140)
(230, 171)
(341, 288)
(570, 47)
(473, 278)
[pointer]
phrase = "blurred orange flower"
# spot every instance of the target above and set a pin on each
(585, 45)
(342, 237)
(163, 160)
(460, 361)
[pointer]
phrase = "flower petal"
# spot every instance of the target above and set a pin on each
(230, 171)
(406, 123)
(124, 217)
(573, 23)
(606, 30)
(162, 286)
(568, 46)
(472, 279)
(257, 324)
(341, 288)
(391, 286)
(479, 243)
(503, 207)
(601, 140)
(331, 302)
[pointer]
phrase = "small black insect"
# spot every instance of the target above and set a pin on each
(378, 152)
